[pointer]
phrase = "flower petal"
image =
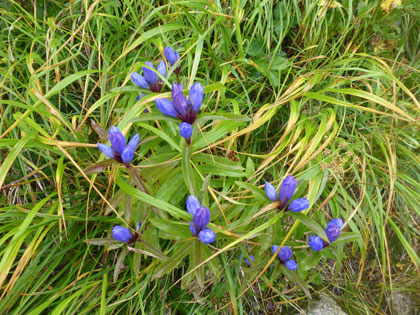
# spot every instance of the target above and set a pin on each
(166, 107)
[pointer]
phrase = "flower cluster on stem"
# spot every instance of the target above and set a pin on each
(201, 217)
(284, 255)
(332, 230)
(120, 151)
(287, 189)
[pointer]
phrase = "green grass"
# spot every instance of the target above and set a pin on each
(330, 95)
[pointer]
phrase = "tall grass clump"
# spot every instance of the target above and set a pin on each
(208, 156)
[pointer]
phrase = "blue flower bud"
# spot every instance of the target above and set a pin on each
(337, 222)
(299, 205)
(274, 249)
(192, 229)
(201, 218)
(196, 97)
(171, 55)
(179, 100)
(149, 74)
(127, 154)
(291, 265)
(207, 236)
(287, 189)
(249, 262)
(285, 253)
(176, 88)
(270, 191)
(161, 68)
(117, 139)
(316, 243)
(122, 234)
(134, 141)
(139, 80)
(185, 130)
(109, 152)
(193, 204)
(166, 107)
(333, 229)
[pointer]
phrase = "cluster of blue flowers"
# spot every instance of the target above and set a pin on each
(120, 151)
(201, 217)
(182, 108)
(186, 109)
(284, 255)
(179, 107)
(287, 189)
(332, 230)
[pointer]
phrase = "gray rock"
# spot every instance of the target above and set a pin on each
(325, 306)
(403, 304)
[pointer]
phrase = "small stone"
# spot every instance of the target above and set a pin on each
(403, 304)
(325, 306)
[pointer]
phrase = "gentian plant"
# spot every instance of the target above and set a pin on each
(122, 234)
(150, 80)
(332, 230)
(284, 255)
(172, 57)
(201, 217)
(182, 108)
(120, 151)
(287, 189)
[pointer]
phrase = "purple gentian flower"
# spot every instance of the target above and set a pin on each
(120, 152)
(299, 205)
(201, 218)
(291, 265)
(316, 243)
(270, 191)
(207, 236)
(287, 189)
(150, 80)
(185, 130)
(181, 107)
(122, 234)
(333, 229)
(172, 56)
(193, 204)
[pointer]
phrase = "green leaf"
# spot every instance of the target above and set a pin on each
(180, 231)
(217, 133)
(154, 116)
(180, 251)
(294, 277)
(250, 168)
(221, 116)
(346, 237)
(119, 263)
(139, 195)
(308, 222)
(257, 192)
(4, 169)
(187, 169)
(311, 260)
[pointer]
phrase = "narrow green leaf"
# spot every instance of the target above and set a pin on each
(294, 277)
(308, 222)
(135, 193)
(170, 264)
